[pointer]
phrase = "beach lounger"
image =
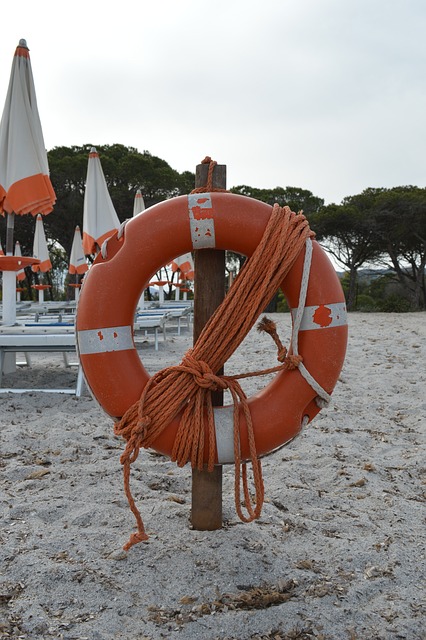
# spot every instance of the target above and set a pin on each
(155, 321)
(19, 339)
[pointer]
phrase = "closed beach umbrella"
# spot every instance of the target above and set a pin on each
(78, 264)
(25, 186)
(100, 219)
(138, 203)
(20, 275)
(40, 250)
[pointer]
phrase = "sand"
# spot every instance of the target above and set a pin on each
(339, 550)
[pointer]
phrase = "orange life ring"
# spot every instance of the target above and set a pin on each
(111, 290)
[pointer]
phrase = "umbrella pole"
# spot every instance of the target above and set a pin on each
(9, 233)
(209, 291)
(9, 294)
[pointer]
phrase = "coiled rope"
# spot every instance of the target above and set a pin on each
(186, 388)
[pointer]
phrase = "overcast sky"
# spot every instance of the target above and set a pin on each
(326, 95)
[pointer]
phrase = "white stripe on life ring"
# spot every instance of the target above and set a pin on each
(105, 339)
(224, 425)
(323, 316)
(201, 221)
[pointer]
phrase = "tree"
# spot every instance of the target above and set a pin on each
(294, 197)
(125, 171)
(348, 230)
(400, 227)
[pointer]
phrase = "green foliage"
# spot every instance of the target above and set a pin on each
(377, 286)
(395, 304)
(282, 305)
(365, 303)
(377, 293)
(344, 281)
(377, 226)
(125, 170)
(294, 197)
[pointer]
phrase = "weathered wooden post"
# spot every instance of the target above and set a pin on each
(209, 291)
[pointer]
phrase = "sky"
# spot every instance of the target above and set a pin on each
(324, 95)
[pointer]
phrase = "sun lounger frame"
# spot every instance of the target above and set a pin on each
(47, 342)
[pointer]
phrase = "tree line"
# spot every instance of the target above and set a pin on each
(379, 227)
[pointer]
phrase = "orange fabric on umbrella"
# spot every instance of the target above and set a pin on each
(185, 265)
(138, 204)
(78, 264)
(25, 185)
(100, 220)
(40, 249)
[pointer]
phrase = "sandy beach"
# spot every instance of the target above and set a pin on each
(338, 552)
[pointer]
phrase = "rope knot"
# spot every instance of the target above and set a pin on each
(202, 373)
(292, 362)
(141, 427)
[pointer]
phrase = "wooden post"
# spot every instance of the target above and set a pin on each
(209, 291)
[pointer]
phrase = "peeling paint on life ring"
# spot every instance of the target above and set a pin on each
(323, 316)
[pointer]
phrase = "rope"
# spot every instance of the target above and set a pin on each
(120, 234)
(186, 388)
(323, 398)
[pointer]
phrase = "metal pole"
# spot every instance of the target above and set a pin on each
(9, 233)
(209, 291)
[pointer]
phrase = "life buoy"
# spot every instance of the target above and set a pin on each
(111, 290)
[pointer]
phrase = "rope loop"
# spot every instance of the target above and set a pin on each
(208, 187)
(282, 354)
(269, 326)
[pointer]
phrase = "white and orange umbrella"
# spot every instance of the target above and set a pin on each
(40, 249)
(78, 265)
(185, 265)
(100, 219)
(138, 203)
(25, 185)
(20, 275)
(41, 252)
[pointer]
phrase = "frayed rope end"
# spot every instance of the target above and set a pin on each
(267, 325)
(135, 538)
